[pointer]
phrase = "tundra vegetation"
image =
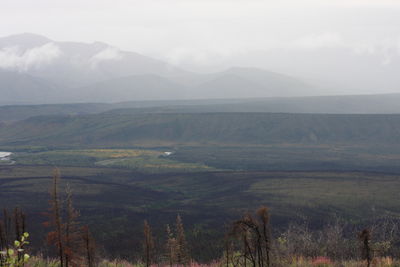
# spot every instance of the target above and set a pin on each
(324, 181)
(248, 241)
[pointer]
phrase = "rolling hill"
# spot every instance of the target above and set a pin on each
(357, 104)
(20, 88)
(267, 83)
(150, 87)
(116, 130)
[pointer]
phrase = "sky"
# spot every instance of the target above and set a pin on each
(307, 38)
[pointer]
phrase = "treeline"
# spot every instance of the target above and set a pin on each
(73, 244)
(249, 241)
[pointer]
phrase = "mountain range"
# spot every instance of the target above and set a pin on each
(38, 70)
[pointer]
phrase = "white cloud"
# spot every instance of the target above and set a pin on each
(398, 46)
(387, 49)
(197, 56)
(315, 41)
(366, 49)
(110, 53)
(16, 59)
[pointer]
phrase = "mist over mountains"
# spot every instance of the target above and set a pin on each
(37, 70)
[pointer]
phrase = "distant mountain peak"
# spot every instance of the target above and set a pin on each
(24, 39)
(101, 44)
(97, 71)
(27, 35)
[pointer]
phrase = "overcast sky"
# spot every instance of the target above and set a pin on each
(207, 35)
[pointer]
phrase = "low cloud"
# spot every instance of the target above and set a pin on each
(197, 56)
(110, 53)
(388, 49)
(316, 41)
(13, 58)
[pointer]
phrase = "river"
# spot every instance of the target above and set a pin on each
(4, 156)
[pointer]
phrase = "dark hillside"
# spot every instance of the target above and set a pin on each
(356, 104)
(213, 128)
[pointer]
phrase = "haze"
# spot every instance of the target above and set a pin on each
(342, 47)
(200, 133)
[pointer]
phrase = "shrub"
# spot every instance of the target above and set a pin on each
(15, 256)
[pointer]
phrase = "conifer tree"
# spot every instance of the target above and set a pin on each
(365, 238)
(72, 232)
(148, 244)
(56, 236)
(170, 247)
(89, 246)
(6, 228)
(182, 252)
(263, 224)
(65, 235)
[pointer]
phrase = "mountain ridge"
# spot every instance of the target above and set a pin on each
(73, 67)
(157, 129)
(351, 104)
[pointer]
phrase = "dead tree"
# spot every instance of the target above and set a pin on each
(65, 234)
(365, 238)
(55, 237)
(182, 251)
(170, 247)
(148, 245)
(254, 235)
(89, 246)
(72, 235)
